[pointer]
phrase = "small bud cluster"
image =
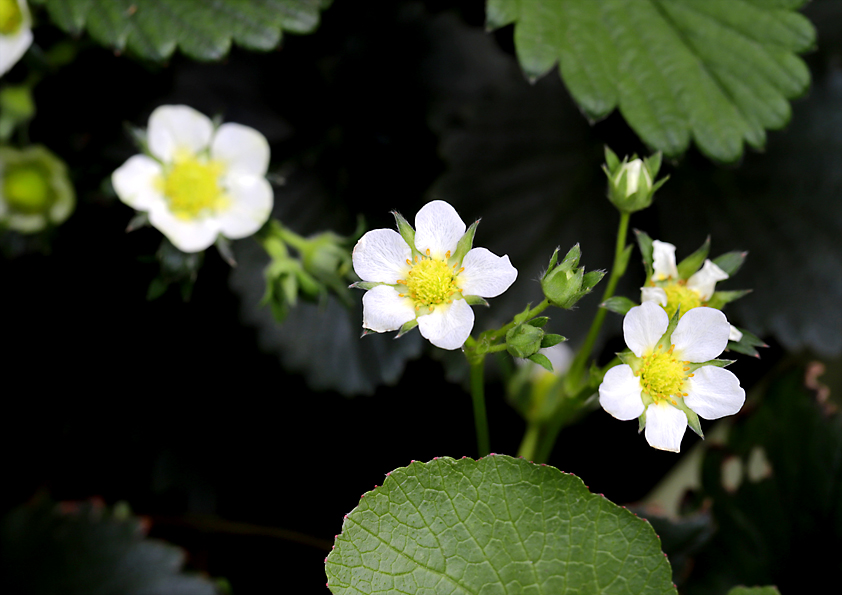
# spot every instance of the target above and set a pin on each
(631, 184)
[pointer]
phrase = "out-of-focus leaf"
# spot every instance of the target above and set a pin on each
(496, 525)
(202, 29)
(717, 71)
(754, 591)
(88, 550)
(775, 489)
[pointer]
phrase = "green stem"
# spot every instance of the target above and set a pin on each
(529, 444)
(577, 368)
(480, 417)
(501, 332)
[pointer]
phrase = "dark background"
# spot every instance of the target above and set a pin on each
(190, 408)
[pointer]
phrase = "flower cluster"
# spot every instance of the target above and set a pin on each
(428, 276)
(670, 377)
(667, 288)
(15, 32)
(198, 181)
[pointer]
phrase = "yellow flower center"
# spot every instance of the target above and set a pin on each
(27, 189)
(679, 293)
(192, 188)
(11, 17)
(663, 375)
(430, 282)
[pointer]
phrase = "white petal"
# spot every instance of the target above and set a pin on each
(654, 294)
(241, 148)
(663, 261)
(665, 426)
(714, 392)
(735, 334)
(381, 256)
(175, 128)
(619, 393)
(704, 280)
(192, 235)
(384, 310)
(701, 334)
(486, 274)
(438, 228)
(448, 326)
(135, 182)
(13, 47)
(251, 204)
(643, 326)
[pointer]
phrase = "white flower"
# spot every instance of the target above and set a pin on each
(198, 182)
(427, 276)
(671, 292)
(15, 32)
(663, 383)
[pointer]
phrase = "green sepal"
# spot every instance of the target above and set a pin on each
(694, 262)
(744, 348)
(590, 280)
(666, 339)
(719, 363)
(542, 360)
(751, 339)
(407, 233)
(730, 262)
(692, 417)
(551, 339)
(223, 246)
(644, 242)
(475, 300)
(618, 304)
(571, 259)
(612, 162)
(366, 285)
(464, 245)
(641, 422)
(553, 261)
(653, 164)
(539, 321)
(140, 219)
(631, 360)
(623, 260)
(521, 317)
(720, 298)
(406, 327)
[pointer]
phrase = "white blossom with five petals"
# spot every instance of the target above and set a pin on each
(198, 182)
(696, 291)
(425, 280)
(672, 379)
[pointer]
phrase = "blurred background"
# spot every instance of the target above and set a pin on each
(245, 442)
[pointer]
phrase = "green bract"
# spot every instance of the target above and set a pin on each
(566, 283)
(496, 525)
(35, 190)
(717, 71)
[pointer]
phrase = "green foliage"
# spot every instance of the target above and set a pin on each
(754, 591)
(86, 549)
(717, 71)
(781, 510)
(202, 29)
(495, 525)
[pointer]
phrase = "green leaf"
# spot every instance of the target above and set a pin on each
(754, 591)
(80, 549)
(718, 71)
(618, 304)
(497, 525)
(202, 29)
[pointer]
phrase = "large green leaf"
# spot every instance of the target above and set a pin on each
(202, 29)
(88, 550)
(494, 526)
(717, 71)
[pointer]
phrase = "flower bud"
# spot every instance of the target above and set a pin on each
(631, 185)
(524, 340)
(566, 283)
